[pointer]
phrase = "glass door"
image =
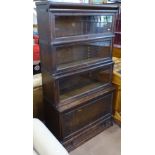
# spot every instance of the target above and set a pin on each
(66, 26)
(83, 54)
(84, 82)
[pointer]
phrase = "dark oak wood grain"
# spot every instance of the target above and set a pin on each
(59, 30)
(76, 42)
(77, 124)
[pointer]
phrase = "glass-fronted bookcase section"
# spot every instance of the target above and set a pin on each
(73, 25)
(82, 83)
(82, 54)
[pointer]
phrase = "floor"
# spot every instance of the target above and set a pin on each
(106, 143)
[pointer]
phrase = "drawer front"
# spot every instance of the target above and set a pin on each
(87, 114)
(84, 24)
(71, 56)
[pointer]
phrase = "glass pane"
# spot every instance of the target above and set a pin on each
(80, 25)
(84, 82)
(84, 53)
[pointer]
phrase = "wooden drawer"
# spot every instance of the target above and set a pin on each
(73, 142)
(86, 114)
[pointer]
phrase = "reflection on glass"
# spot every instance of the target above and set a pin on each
(79, 84)
(84, 53)
(80, 25)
